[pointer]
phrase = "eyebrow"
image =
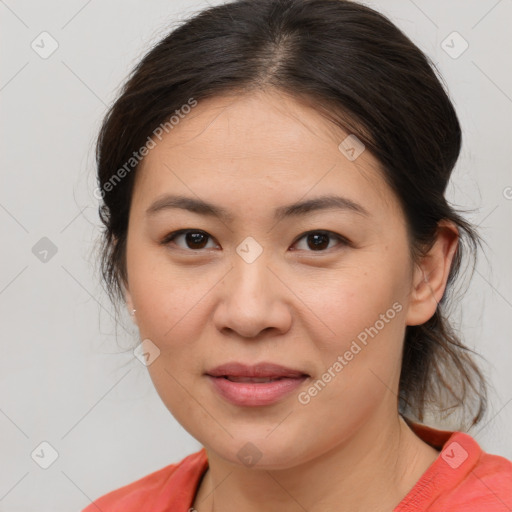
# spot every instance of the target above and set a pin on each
(201, 207)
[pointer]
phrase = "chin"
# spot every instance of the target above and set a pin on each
(259, 452)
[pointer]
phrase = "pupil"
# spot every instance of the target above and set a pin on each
(194, 238)
(321, 241)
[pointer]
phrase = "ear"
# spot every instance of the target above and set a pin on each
(431, 274)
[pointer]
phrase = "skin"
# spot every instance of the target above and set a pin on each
(294, 305)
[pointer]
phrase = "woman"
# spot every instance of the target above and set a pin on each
(273, 177)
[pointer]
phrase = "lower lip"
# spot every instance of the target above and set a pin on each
(255, 393)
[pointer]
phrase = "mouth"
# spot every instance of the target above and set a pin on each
(257, 385)
(236, 370)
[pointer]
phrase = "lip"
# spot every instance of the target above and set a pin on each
(262, 370)
(255, 393)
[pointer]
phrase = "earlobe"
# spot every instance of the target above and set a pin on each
(129, 303)
(431, 275)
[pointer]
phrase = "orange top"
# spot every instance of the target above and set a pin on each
(462, 478)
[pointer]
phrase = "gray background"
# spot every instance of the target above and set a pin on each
(66, 378)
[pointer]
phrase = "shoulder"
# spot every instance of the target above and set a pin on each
(463, 478)
(173, 484)
(487, 486)
(470, 479)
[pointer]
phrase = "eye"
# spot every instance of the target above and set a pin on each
(317, 241)
(194, 239)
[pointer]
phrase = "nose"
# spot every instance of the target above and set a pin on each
(253, 301)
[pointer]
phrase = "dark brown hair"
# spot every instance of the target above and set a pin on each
(360, 71)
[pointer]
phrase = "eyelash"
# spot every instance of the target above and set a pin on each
(172, 236)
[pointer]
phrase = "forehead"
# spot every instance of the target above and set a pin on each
(259, 145)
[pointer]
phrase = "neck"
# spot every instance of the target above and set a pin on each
(374, 470)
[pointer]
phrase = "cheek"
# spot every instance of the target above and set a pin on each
(361, 356)
(167, 297)
(349, 302)
(169, 313)
(360, 363)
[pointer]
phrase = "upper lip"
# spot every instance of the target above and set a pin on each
(270, 370)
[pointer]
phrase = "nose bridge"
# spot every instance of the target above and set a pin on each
(250, 250)
(251, 275)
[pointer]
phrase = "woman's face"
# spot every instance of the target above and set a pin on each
(323, 291)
